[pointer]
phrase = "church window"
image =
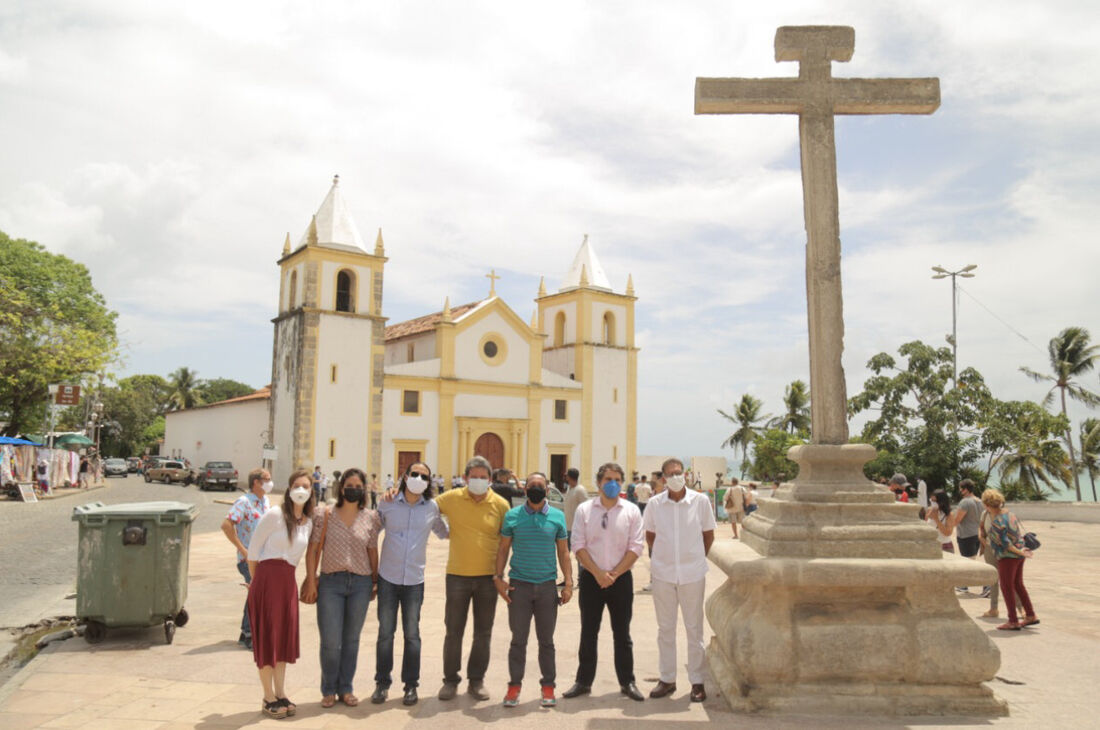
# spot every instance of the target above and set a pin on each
(410, 352)
(614, 395)
(333, 375)
(332, 448)
(345, 298)
(292, 300)
(493, 349)
(410, 402)
(608, 328)
(561, 412)
(559, 329)
(490, 349)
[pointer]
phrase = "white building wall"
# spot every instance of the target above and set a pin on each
(608, 416)
(490, 406)
(397, 425)
(343, 407)
(234, 432)
(286, 302)
(469, 364)
(285, 380)
(560, 361)
(559, 432)
(618, 313)
(327, 285)
(549, 320)
(397, 352)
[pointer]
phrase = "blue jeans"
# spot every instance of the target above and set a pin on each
(246, 628)
(342, 600)
(410, 598)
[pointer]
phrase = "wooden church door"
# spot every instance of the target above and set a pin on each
(491, 447)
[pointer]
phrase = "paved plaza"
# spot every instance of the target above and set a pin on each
(134, 680)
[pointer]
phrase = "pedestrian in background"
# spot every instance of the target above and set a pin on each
(966, 520)
(278, 544)
(989, 553)
(939, 516)
(238, 527)
(1007, 537)
(735, 505)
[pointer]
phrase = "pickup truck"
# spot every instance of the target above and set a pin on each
(168, 472)
(217, 474)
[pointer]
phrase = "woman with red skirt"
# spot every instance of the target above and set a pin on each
(277, 546)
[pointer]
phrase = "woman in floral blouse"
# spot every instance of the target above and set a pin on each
(1007, 538)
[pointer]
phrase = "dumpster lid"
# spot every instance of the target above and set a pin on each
(184, 511)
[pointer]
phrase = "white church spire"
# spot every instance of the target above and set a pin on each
(586, 270)
(335, 227)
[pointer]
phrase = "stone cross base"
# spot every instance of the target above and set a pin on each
(849, 636)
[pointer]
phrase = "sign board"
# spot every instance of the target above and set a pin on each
(270, 454)
(26, 491)
(68, 395)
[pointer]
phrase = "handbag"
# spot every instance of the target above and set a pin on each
(320, 549)
(1031, 542)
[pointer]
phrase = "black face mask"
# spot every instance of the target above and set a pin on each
(353, 494)
(536, 494)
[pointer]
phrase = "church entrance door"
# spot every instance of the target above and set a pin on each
(491, 447)
(405, 459)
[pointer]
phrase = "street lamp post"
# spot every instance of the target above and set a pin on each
(965, 273)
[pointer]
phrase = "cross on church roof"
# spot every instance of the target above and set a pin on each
(492, 277)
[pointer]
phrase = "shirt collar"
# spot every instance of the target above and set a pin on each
(401, 498)
(542, 510)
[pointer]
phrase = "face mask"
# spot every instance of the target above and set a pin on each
(353, 494)
(675, 483)
(478, 486)
(611, 489)
(536, 494)
(300, 495)
(416, 483)
(267, 486)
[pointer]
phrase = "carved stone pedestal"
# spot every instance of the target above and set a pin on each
(839, 600)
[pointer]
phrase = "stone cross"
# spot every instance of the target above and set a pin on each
(815, 96)
(492, 277)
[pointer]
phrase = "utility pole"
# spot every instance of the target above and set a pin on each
(965, 273)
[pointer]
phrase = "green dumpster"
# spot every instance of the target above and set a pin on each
(132, 565)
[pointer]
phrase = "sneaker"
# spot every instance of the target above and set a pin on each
(962, 589)
(448, 691)
(985, 592)
(648, 587)
(548, 699)
(511, 698)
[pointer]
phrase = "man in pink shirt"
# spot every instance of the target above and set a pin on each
(607, 538)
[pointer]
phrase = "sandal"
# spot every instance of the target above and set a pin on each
(291, 708)
(1029, 621)
(275, 709)
(328, 701)
(349, 699)
(991, 614)
(1010, 626)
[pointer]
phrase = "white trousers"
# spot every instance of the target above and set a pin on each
(667, 597)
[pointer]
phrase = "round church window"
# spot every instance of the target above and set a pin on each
(490, 349)
(493, 348)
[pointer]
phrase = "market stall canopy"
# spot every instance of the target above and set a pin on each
(17, 442)
(73, 439)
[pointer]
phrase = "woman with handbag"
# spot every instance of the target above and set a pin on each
(345, 547)
(1007, 537)
(276, 548)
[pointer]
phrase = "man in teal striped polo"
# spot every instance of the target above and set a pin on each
(535, 535)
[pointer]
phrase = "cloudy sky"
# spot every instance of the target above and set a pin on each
(171, 146)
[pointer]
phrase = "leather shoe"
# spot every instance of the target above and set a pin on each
(448, 691)
(410, 696)
(380, 694)
(476, 690)
(698, 694)
(631, 691)
(576, 690)
(663, 689)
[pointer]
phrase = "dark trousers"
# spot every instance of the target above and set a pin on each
(619, 599)
(538, 601)
(246, 628)
(1011, 574)
(410, 599)
(461, 591)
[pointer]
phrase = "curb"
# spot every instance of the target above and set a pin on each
(72, 492)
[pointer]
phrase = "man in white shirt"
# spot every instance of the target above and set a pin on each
(735, 505)
(679, 528)
(643, 491)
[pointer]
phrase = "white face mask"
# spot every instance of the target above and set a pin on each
(477, 485)
(300, 495)
(675, 483)
(267, 486)
(415, 483)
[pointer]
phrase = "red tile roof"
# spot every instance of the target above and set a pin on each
(262, 394)
(424, 324)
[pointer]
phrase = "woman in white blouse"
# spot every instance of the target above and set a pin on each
(277, 546)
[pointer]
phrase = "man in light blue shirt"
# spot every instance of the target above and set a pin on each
(238, 526)
(407, 519)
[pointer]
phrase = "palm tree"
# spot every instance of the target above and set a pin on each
(184, 389)
(1037, 463)
(1090, 450)
(1071, 356)
(748, 418)
(796, 401)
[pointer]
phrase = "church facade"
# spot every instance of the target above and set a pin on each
(347, 390)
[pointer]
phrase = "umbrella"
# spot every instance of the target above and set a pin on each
(73, 439)
(17, 442)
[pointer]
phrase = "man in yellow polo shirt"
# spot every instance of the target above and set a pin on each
(475, 515)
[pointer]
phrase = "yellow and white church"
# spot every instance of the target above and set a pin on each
(347, 390)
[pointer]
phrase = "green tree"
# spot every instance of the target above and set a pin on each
(219, 389)
(769, 455)
(1090, 450)
(134, 405)
(796, 416)
(54, 328)
(748, 419)
(184, 389)
(1071, 356)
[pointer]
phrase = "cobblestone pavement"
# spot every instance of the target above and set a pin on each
(38, 542)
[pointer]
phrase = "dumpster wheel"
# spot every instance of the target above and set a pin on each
(169, 630)
(94, 632)
(182, 617)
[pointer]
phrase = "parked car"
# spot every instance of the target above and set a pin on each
(133, 464)
(168, 472)
(115, 468)
(218, 474)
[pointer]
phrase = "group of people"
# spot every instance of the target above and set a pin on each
(496, 551)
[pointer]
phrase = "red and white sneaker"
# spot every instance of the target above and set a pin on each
(548, 699)
(511, 698)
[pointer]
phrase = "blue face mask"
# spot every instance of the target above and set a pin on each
(611, 489)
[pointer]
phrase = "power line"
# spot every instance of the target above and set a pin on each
(1006, 324)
